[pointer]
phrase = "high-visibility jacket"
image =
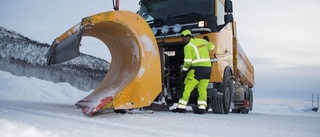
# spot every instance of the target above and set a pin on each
(196, 53)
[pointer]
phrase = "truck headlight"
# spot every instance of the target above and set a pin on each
(201, 24)
(154, 30)
(177, 28)
(164, 29)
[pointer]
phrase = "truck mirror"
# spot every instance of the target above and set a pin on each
(228, 6)
(228, 18)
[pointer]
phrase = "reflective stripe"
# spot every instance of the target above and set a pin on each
(200, 60)
(212, 46)
(195, 50)
(184, 69)
(182, 102)
(214, 60)
(202, 102)
(202, 107)
(197, 54)
(187, 60)
(182, 106)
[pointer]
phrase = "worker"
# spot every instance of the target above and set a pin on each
(197, 68)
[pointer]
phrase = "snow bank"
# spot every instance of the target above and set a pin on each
(23, 88)
(22, 56)
(12, 129)
(18, 47)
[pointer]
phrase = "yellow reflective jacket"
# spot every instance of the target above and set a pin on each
(196, 53)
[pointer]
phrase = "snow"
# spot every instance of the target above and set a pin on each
(30, 107)
(22, 56)
(14, 45)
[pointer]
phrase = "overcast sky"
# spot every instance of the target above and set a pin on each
(279, 36)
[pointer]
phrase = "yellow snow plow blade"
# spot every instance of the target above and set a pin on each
(134, 77)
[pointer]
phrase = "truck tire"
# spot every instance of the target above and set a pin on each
(251, 99)
(221, 105)
(217, 105)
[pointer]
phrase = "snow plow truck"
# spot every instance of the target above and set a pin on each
(147, 56)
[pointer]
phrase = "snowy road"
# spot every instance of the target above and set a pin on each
(66, 120)
(32, 107)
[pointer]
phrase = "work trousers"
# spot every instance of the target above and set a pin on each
(193, 79)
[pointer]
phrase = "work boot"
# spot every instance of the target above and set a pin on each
(179, 110)
(199, 111)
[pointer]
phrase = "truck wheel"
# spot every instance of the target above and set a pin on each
(217, 105)
(221, 104)
(251, 98)
(227, 90)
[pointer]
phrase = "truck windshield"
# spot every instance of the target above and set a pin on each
(169, 9)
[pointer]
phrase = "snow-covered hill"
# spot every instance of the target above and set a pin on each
(25, 57)
(30, 107)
